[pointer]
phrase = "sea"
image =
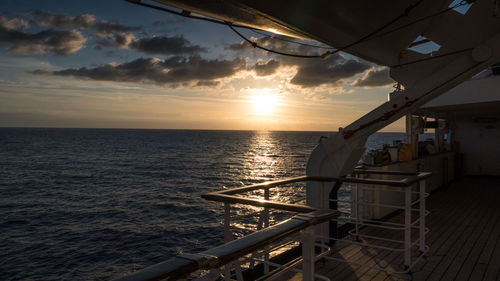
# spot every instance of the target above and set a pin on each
(96, 204)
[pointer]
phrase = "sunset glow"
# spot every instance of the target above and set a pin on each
(114, 64)
(264, 101)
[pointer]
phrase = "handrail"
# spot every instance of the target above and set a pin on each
(230, 195)
(216, 257)
(185, 264)
(298, 208)
(264, 185)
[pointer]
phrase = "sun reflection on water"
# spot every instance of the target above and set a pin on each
(265, 160)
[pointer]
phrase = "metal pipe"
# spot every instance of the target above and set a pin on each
(333, 225)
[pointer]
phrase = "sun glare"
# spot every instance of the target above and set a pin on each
(264, 101)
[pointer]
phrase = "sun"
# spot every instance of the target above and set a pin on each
(264, 101)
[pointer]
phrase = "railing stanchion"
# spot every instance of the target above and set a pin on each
(333, 204)
(307, 238)
(356, 209)
(407, 250)
(422, 216)
(227, 223)
(266, 225)
(227, 237)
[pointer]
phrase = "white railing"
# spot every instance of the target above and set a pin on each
(235, 258)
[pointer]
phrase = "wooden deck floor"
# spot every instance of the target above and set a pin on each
(464, 240)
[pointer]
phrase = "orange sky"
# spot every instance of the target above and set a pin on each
(158, 71)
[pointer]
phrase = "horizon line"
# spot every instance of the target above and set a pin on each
(176, 129)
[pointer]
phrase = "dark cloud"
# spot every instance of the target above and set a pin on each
(268, 42)
(278, 43)
(113, 27)
(243, 45)
(58, 42)
(171, 71)
(269, 67)
(13, 24)
(208, 83)
(316, 72)
(175, 45)
(118, 40)
(111, 34)
(45, 19)
(374, 78)
(108, 34)
(311, 72)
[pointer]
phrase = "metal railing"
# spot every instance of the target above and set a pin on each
(412, 244)
(227, 260)
(217, 257)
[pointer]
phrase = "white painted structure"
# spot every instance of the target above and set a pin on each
(473, 109)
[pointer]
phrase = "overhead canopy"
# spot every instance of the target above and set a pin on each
(478, 96)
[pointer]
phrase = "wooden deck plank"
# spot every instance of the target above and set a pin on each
(478, 272)
(435, 260)
(464, 239)
(440, 209)
(492, 271)
(389, 258)
(445, 202)
(473, 256)
(436, 226)
(490, 246)
(464, 249)
(340, 269)
(437, 238)
(460, 237)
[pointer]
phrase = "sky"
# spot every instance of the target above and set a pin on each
(113, 64)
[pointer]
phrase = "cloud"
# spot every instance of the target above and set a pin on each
(374, 78)
(266, 41)
(317, 72)
(311, 72)
(108, 34)
(118, 40)
(58, 42)
(113, 27)
(45, 19)
(111, 34)
(175, 45)
(208, 83)
(171, 71)
(269, 67)
(13, 24)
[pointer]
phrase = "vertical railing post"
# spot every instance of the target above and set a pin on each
(307, 238)
(266, 224)
(356, 210)
(422, 215)
(228, 237)
(333, 204)
(227, 223)
(407, 250)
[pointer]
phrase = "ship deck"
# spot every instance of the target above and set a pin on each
(464, 240)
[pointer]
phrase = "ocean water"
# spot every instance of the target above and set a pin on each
(94, 204)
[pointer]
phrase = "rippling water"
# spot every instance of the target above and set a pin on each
(92, 204)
